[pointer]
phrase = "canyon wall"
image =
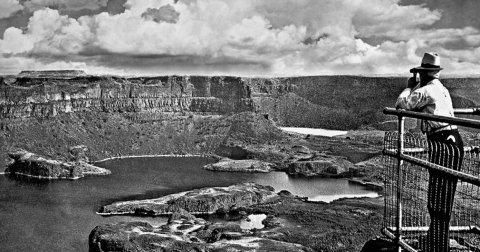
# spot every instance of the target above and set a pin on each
(343, 102)
(185, 114)
(47, 97)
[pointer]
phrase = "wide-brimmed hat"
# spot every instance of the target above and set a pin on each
(430, 62)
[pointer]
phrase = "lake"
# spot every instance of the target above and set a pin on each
(58, 215)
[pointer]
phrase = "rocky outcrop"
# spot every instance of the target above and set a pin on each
(327, 166)
(245, 165)
(79, 153)
(252, 138)
(343, 225)
(182, 234)
(29, 164)
(200, 201)
(374, 186)
(37, 97)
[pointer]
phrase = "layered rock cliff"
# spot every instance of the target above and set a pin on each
(48, 113)
(25, 97)
(298, 101)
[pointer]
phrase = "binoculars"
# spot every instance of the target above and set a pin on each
(414, 72)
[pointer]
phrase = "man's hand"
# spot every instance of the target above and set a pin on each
(412, 82)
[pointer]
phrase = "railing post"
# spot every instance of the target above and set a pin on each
(401, 132)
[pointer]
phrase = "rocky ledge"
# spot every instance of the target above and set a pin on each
(199, 201)
(323, 165)
(183, 232)
(32, 165)
(291, 224)
(245, 165)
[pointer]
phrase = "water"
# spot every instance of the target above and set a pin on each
(253, 221)
(315, 131)
(59, 215)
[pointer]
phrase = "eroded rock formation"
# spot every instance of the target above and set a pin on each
(244, 165)
(182, 234)
(29, 164)
(343, 225)
(327, 166)
(199, 201)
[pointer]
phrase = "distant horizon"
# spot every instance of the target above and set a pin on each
(232, 75)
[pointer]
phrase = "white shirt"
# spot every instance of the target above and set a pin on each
(432, 98)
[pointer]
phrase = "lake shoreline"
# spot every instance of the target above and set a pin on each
(153, 156)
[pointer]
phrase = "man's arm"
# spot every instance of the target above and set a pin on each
(412, 99)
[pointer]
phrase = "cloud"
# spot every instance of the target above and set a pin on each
(387, 17)
(15, 42)
(115, 6)
(269, 37)
(71, 5)
(9, 7)
(54, 34)
(163, 14)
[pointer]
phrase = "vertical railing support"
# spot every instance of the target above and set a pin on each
(401, 133)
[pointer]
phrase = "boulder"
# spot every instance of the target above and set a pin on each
(369, 172)
(79, 153)
(181, 214)
(29, 164)
(199, 201)
(301, 153)
(246, 165)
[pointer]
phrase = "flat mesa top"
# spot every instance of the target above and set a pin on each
(52, 73)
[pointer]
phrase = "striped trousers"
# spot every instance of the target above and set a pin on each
(445, 149)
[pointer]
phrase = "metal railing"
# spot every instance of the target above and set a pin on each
(409, 172)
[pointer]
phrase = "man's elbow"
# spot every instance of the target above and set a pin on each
(399, 105)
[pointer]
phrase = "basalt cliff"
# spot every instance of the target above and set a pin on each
(50, 112)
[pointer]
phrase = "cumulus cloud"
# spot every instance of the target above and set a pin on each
(387, 17)
(54, 34)
(15, 42)
(269, 37)
(9, 7)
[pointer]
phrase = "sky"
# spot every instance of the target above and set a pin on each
(238, 37)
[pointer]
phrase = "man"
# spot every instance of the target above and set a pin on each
(445, 146)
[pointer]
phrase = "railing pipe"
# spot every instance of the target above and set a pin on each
(401, 132)
(467, 111)
(474, 180)
(452, 120)
(402, 243)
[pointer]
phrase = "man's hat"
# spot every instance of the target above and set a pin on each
(430, 62)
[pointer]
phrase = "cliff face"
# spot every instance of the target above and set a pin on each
(341, 102)
(48, 97)
(185, 114)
